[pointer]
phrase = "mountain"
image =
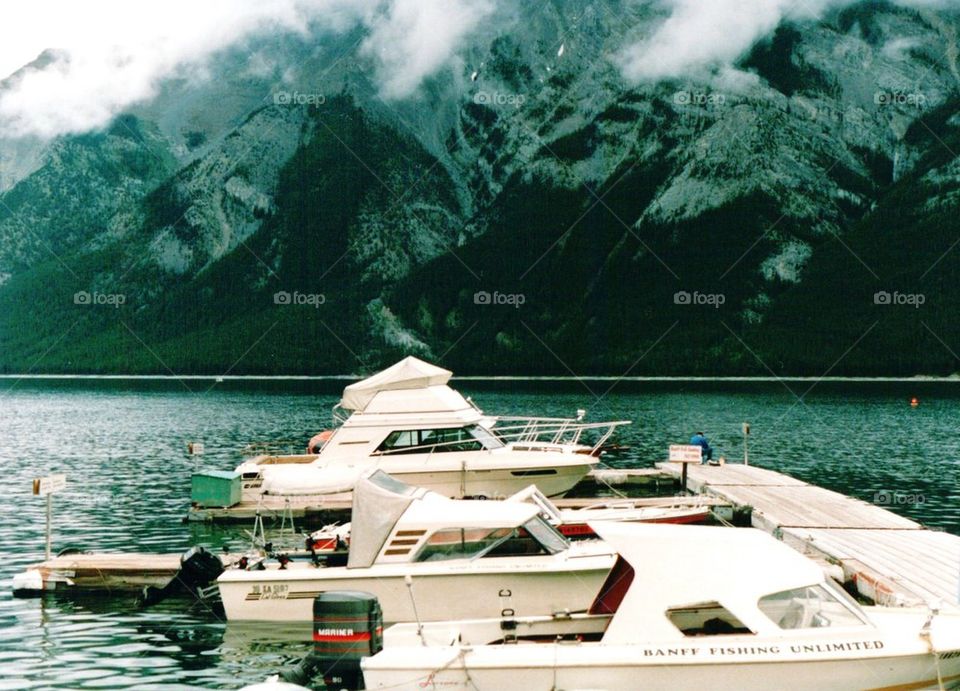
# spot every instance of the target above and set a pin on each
(529, 210)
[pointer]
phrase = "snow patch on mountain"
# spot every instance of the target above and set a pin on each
(787, 264)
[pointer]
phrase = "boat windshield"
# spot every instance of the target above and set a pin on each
(487, 438)
(812, 607)
(544, 533)
(535, 537)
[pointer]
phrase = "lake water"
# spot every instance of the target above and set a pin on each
(122, 446)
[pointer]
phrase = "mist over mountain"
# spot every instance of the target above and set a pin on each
(612, 187)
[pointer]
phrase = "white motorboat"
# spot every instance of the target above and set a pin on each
(408, 422)
(425, 555)
(572, 523)
(686, 608)
(576, 522)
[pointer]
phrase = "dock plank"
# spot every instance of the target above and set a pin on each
(925, 562)
(733, 474)
(780, 500)
(809, 506)
(874, 547)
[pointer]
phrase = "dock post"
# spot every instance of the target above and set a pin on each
(47, 487)
(746, 434)
(49, 514)
(685, 454)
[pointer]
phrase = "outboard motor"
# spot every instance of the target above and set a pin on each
(347, 627)
(198, 568)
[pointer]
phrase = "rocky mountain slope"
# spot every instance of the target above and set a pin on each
(530, 209)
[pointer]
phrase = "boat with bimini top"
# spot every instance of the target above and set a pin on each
(430, 557)
(407, 421)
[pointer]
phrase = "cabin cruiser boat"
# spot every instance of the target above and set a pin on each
(408, 422)
(685, 608)
(430, 557)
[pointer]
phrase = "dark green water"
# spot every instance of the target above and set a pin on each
(123, 449)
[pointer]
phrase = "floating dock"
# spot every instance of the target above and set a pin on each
(103, 572)
(888, 558)
(319, 510)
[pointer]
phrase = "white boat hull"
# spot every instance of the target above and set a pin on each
(468, 590)
(498, 483)
(574, 666)
(493, 481)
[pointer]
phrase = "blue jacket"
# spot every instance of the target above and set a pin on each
(701, 441)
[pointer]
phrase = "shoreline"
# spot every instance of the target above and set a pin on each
(917, 379)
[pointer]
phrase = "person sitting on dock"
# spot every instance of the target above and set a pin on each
(706, 453)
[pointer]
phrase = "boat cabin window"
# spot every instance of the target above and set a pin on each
(534, 538)
(813, 607)
(706, 619)
(469, 438)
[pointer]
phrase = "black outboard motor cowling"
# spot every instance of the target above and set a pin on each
(198, 569)
(347, 627)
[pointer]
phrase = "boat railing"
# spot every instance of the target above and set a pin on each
(339, 415)
(548, 430)
(538, 432)
(272, 448)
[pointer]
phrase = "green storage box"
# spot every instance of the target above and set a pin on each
(215, 488)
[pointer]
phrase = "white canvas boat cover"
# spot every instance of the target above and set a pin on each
(409, 373)
(302, 480)
(379, 501)
(679, 565)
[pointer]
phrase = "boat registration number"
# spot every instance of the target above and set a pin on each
(271, 591)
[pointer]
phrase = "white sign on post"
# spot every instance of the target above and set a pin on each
(44, 486)
(47, 487)
(685, 453)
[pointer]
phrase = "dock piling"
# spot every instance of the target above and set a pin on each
(746, 435)
(47, 487)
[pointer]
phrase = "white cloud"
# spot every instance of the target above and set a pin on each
(414, 38)
(114, 53)
(700, 38)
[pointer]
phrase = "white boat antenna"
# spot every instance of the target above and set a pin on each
(408, 580)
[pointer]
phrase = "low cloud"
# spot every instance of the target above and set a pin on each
(702, 39)
(107, 55)
(414, 38)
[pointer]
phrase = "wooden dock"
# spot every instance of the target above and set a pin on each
(108, 572)
(888, 558)
(319, 511)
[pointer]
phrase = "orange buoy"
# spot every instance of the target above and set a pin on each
(914, 402)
